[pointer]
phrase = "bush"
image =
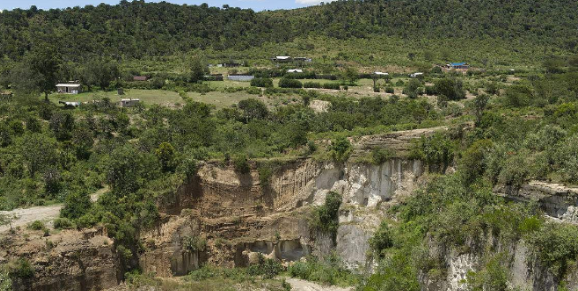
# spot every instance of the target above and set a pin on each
(241, 164)
(556, 246)
(63, 223)
(76, 205)
(253, 90)
(331, 86)
(379, 156)
(430, 90)
(381, 240)
(268, 268)
(194, 243)
(262, 82)
(312, 85)
(389, 90)
(340, 149)
(290, 83)
(22, 269)
(36, 225)
(329, 270)
(265, 173)
(325, 217)
(451, 88)
(436, 151)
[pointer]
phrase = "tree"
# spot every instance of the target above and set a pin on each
(197, 70)
(38, 152)
(166, 155)
(411, 90)
(102, 72)
(62, 124)
(253, 109)
(127, 169)
(340, 149)
(429, 56)
(451, 88)
(350, 74)
(480, 104)
(76, 205)
(44, 62)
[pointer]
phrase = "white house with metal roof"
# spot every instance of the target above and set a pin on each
(68, 88)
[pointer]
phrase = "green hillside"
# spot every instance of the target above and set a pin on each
(138, 29)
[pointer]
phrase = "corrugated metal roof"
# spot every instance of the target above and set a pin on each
(457, 64)
(68, 85)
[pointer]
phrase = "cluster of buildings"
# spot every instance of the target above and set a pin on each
(74, 88)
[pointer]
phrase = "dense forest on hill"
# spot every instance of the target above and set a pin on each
(136, 29)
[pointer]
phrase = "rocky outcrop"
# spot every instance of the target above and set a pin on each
(70, 260)
(557, 201)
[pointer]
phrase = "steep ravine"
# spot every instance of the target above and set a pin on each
(238, 218)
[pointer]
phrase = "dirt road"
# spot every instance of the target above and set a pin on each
(301, 285)
(23, 216)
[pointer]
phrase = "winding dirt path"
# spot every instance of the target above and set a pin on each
(23, 216)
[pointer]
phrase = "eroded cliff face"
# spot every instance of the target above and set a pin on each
(68, 261)
(227, 219)
(237, 216)
(557, 201)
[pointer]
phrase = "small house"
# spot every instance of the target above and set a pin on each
(295, 71)
(282, 59)
(380, 74)
(458, 66)
(240, 77)
(231, 64)
(140, 78)
(69, 104)
(128, 102)
(416, 75)
(68, 88)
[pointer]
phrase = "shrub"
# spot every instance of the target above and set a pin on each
(493, 276)
(253, 90)
(194, 243)
(241, 164)
(76, 205)
(436, 151)
(63, 223)
(340, 149)
(381, 240)
(451, 88)
(389, 90)
(22, 269)
(325, 217)
(265, 174)
(268, 268)
(518, 96)
(329, 270)
(312, 85)
(262, 82)
(36, 225)
(290, 83)
(430, 90)
(331, 86)
(379, 156)
(556, 246)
